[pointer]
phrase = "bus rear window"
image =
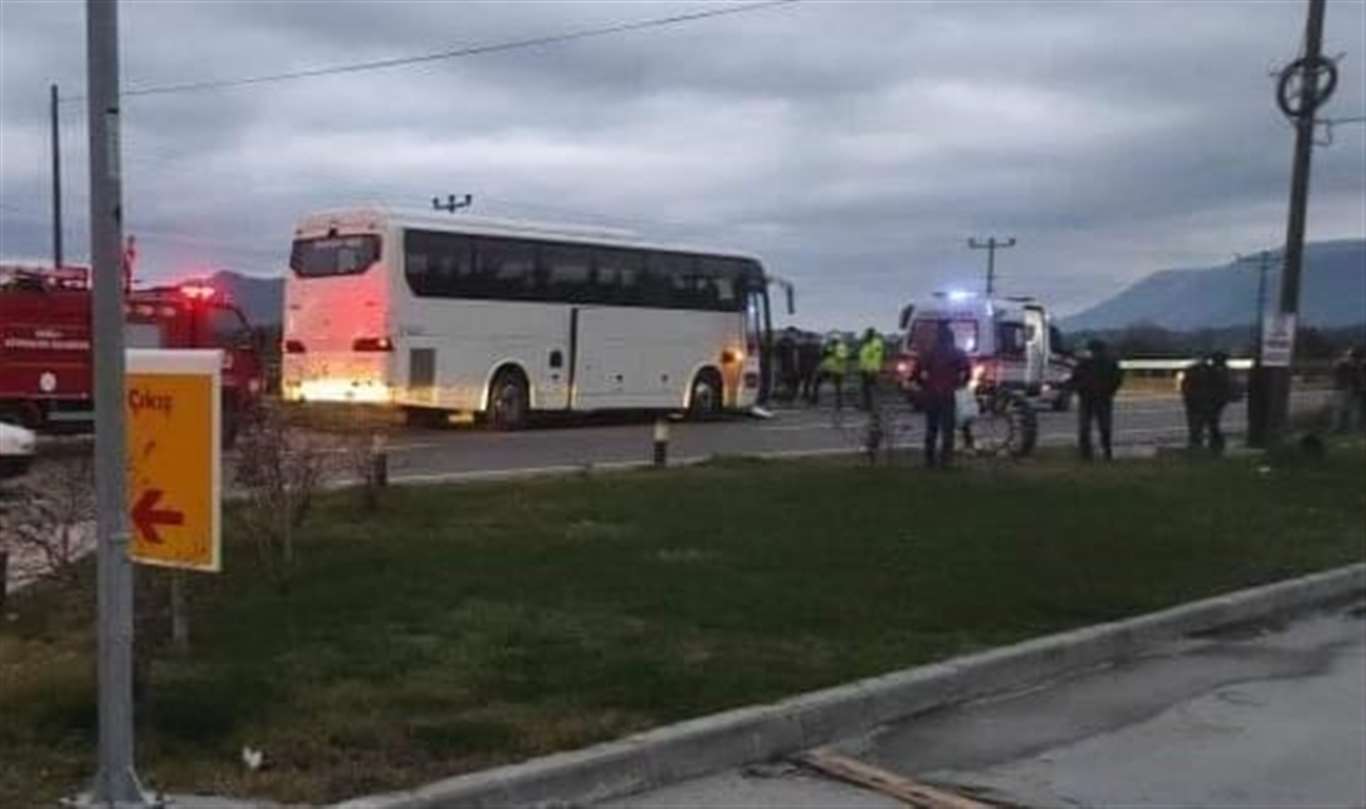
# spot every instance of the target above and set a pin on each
(339, 255)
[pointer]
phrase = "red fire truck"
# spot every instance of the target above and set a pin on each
(45, 358)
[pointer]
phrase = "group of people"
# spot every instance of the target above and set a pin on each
(943, 375)
(806, 363)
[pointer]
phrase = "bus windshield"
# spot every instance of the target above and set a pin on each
(336, 255)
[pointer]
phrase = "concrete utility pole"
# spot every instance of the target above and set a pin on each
(1263, 262)
(991, 245)
(56, 183)
(116, 782)
(1300, 104)
(1256, 399)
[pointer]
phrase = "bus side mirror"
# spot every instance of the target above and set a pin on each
(791, 295)
(905, 317)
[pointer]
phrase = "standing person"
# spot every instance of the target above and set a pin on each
(870, 356)
(1348, 389)
(1195, 385)
(1096, 379)
(834, 361)
(808, 365)
(942, 371)
(1206, 389)
(1359, 362)
(1218, 396)
(787, 362)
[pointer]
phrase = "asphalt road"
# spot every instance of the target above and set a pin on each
(614, 440)
(453, 453)
(1271, 717)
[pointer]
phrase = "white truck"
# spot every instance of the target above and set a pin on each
(1017, 354)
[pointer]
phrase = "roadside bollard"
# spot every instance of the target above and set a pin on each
(379, 462)
(661, 442)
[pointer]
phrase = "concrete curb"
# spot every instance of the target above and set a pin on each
(669, 754)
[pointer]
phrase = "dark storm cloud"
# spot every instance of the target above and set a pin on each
(855, 146)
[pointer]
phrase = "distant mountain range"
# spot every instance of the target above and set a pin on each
(1332, 294)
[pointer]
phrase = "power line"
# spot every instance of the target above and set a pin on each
(457, 53)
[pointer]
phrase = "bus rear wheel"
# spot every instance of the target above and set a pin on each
(509, 401)
(704, 402)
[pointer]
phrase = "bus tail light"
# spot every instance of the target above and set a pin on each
(294, 347)
(372, 344)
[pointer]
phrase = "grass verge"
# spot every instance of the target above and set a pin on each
(463, 627)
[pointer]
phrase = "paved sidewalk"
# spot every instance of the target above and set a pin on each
(1272, 717)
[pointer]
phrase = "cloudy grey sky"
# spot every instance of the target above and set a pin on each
(854, 145)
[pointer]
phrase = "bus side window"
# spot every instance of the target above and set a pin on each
(619, 276)
(671, 280)
(416, 263)
(505, 269)
(723, 275)
(569, 269)
(437, 264)
(629, 284)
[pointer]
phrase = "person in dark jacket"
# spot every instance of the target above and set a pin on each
(1096, 380)
(789, 375)
(1206, 389)
(808, 365)
(1349, 391)
(941, 372)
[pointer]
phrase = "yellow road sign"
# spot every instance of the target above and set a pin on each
(172, 406)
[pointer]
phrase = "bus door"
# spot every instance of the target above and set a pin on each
(758, 340)
(1036, 345)
(603, 358)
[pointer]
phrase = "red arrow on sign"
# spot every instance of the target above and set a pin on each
(146, 516)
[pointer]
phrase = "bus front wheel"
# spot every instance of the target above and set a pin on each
(509, 401)
(705, 399)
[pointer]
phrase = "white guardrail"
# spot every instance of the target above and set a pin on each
(1240, 364)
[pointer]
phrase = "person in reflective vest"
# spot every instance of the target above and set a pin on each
(870, 355)
(834, 360)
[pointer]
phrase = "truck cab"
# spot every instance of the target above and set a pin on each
(45, 356)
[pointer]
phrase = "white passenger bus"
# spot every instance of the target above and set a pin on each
(439, 313)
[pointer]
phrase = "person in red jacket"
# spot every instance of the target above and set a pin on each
(942, 371)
